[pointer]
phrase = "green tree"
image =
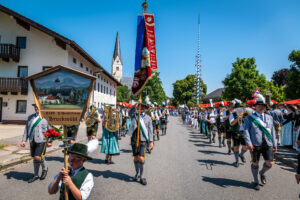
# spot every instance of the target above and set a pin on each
(245, 78)
(123, 94)
(154, 90)
(184, 91)
(293, 83)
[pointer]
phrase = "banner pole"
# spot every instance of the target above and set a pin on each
(66, 158)
(139, 121)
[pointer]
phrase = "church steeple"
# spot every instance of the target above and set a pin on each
(117, 51)
(117, 60)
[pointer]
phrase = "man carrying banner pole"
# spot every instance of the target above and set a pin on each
(260, 137)
(145, 68)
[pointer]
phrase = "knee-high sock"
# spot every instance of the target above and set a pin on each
(36, 167)
(229, 145)
(44, 165)
(142, 169)
(223, 141)
(264, 169)
(242, 152)
(254, 170)
(214, 135)
(236, 155)
(137, 167)
(219, 140)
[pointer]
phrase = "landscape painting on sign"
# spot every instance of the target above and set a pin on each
(62, 89)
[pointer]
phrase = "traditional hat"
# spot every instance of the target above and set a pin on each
(260, 100)
(222, 104)
(80, 149)
(238, 103)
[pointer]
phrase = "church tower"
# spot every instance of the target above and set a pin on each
(117, 60)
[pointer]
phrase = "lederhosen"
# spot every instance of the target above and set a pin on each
(78, 179)
(264, 149)
(220, 125)
(227, 126)
(72, 131)
(141, 149)
(237, 134)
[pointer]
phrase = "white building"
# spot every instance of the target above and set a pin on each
(26, 48)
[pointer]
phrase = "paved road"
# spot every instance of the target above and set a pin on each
(182, 166)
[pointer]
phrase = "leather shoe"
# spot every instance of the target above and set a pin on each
(33, 179)
(256, 186)
(44, 174)
(242, 158)
(236, 164)
(263, 179)
(143, 181)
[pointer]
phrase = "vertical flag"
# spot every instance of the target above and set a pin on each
(145, 53)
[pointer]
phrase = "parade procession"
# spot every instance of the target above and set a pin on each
(175, 116)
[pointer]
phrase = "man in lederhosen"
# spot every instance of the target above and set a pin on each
(138, 141)
(221, 125)
(237, 131)
(260, 137)
(34, 131)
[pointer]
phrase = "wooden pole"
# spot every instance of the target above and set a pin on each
(138, 132)
(66, 158)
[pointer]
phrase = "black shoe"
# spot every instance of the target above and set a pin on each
(44, 174)
(143, 181)
(263, 179)
(242, 158)
(136, 177)
(236, 164)
(105, 161)
(256, 186)
(33, 179)
(229, 153)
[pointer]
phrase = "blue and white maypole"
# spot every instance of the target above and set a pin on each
(198, 65)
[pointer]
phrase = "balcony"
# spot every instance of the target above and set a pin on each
(14, 85)
(9, 51)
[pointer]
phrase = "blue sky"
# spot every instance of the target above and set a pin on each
(265, 29)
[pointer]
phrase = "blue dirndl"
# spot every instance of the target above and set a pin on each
(109, 143)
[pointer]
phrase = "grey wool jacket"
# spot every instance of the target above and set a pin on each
(147, 121)
(38, 132)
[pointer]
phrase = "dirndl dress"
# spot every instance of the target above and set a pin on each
(110, 143)
(287, 134)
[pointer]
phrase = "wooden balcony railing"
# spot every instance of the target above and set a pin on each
(14, 85)
(8, 51)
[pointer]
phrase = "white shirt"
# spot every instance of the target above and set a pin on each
(86, 186)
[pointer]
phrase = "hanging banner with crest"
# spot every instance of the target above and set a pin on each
(145, 54)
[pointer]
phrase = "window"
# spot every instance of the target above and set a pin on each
(22, 71)
(21, 106)
(98, 76)
(117, 68)
(98, 87)
(87, 69)
(110, 91)
(106, 90)
(98, 105)
(81, 65)
(95, 86)
(46, 67)
(21, 42)
(91, 71)
(101, 89)
(114, 93)
(74, 60)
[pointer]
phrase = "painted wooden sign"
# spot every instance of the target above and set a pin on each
(62, 94)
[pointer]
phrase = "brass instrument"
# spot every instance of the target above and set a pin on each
(92, 118)
(112, 117)
(242, 114)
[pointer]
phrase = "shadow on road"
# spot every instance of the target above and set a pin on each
(214, 162)
(126, 151)
(111, 174)
(203, 145)
(96, 161)
(212, 152)
(55, 158)
(224, 182)
(23, 176)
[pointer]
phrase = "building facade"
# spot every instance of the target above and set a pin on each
(26, 48)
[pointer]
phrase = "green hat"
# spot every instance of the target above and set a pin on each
(80, 149)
